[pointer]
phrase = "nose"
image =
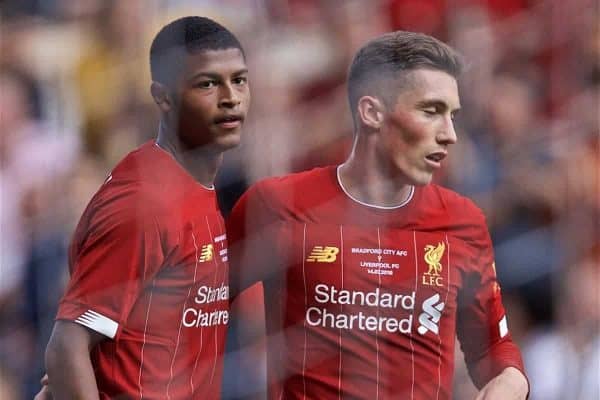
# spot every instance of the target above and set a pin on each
(229, 97)
(448, 134)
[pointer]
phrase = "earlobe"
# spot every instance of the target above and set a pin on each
(160, 94)
(370, 111)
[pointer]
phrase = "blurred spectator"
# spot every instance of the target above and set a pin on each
(563, 360)
(35, 160)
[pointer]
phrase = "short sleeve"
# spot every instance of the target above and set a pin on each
(482, 325)
(116, 251)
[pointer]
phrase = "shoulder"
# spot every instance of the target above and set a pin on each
(120, 208)
(146, 164)
(296, 181)
(127, 194)
(289, 189)
(128, 197)
(454, 212)
(459, 207)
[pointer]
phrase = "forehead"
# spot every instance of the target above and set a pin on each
(428, 84)
(222, 62)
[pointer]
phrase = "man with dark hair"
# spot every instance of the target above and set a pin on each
(369, 270)
(146, 309)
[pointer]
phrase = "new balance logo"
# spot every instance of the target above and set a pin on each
(429, 318)
(206, 254)
(326, 254)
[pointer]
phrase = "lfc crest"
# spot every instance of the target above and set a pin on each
(433, 256)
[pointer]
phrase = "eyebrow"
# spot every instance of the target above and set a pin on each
(438, 104)
(214, 75)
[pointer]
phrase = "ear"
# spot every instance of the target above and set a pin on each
(161, 96)
(371, 111)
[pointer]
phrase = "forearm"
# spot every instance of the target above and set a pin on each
(493, 362)
(68, 364)
(510, 384)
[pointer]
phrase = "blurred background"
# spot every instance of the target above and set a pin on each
(74, 99)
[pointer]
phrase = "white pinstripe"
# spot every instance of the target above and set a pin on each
(378, 287)
(200, 350)
(197, 358)
(341, 312)
(182, 311)
(212, 375)
(412, 346)
(305, 307)
(144, 341)
(440, 322)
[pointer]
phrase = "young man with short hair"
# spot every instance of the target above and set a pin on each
(146, 309)
(369, 270)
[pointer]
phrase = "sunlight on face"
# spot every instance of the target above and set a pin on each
(419, 128)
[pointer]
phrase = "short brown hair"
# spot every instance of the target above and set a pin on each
(387, 56)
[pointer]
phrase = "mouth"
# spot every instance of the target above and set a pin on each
(435, 159)
(229, 121)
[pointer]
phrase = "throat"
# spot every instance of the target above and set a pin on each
(201, 166)
(373, 189)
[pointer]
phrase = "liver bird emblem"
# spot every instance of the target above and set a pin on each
(433, 255)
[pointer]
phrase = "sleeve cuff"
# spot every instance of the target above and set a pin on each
(92, 319)
(99, 323)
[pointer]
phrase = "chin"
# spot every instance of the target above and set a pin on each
(421, 179)
(229, 141)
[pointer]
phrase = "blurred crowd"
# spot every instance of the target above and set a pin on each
(74, 98)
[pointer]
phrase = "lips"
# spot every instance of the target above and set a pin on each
(225, 119)
(435, 159)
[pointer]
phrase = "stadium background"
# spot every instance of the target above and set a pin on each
(74, 98)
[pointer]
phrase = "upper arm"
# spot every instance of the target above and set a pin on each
(116, 253)
(68, 362)
(69, 336)
(482, 326)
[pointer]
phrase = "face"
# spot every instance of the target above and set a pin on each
(211, 100)
(419, 128)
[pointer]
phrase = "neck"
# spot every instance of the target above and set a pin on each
(368, 179)
(201, 165)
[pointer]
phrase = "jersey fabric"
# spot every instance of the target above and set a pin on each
(365, 302)
(149, 270)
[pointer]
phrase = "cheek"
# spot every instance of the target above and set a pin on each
(194, 109)
(247, 100)
(408, 128)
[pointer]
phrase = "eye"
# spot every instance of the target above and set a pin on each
(240, 80)
(453, 115)
(430, 111)
(206, 84)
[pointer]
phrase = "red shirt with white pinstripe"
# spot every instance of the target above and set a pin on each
(364, 302)
(148, 266)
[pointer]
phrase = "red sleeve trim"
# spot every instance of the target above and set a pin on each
(502, 355)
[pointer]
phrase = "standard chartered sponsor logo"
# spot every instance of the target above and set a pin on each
(432, 312)
(195, 317)
(325, 294)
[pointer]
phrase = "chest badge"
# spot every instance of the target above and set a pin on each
(433, 257)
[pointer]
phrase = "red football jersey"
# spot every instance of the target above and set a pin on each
(149, 270)
(365, 302)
